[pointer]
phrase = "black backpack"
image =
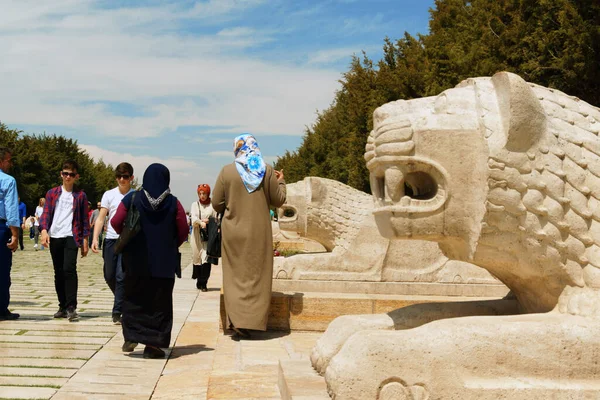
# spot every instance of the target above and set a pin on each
(213, 246)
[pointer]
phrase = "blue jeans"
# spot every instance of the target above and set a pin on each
(113, 273)
(5, 266)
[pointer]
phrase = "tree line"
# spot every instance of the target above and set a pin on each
(38, 160)
(554, 43)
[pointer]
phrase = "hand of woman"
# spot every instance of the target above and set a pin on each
(279, 175)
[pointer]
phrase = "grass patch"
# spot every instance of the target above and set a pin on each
(14, 398)
(29, 376)
(21, 332)
(72, 344)
(52, 358)
(35, 366)
(39, 386)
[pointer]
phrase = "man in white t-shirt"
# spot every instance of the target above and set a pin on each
(113, 270)
(65, 228)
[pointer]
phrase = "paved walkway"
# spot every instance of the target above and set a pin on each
(44, 358)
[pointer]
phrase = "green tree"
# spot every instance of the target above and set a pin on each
(554, 43)
(38, 160)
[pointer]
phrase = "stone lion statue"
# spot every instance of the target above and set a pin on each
(341, 219)
(503, 174)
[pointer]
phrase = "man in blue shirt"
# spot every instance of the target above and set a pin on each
(9, 230)
(22, 218)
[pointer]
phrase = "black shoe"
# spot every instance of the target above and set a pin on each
(153, 352)
(9, 316)
(116, 318)
(241, 333)
(195, 272)
(128, 346)
(204, 288)
(72, 314)
(61, 313)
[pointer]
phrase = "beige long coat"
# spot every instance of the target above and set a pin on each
(199, 212)
(247, 245)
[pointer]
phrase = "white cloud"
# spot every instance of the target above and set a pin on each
(221, 154)
(185, 174)
(72, 54)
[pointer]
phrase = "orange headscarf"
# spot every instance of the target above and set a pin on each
(203, 187)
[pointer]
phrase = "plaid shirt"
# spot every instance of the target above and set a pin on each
(81, 224)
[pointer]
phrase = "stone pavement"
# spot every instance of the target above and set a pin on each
(44, 358)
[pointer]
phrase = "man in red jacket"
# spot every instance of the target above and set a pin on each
(65, 227)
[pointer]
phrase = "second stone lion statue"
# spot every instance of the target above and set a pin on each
(341, 219)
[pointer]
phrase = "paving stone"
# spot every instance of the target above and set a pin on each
(47, 372)
(32, 381)
(93, 396)
(41, 362)
(17, 392)
(65, 346)
(47, 353)
(52, 339)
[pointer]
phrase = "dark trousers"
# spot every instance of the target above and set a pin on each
(5, 266)
(113, 273)
(21, 238)
(203, 273)
(64, 257)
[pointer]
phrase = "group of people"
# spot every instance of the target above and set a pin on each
(31, 223)
(142, 276)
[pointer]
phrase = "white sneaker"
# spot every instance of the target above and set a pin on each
(35, 246)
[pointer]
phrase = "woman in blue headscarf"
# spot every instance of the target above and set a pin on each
(151, 261)
(244, 191)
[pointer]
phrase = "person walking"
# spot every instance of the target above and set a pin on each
(23, 219)
(39, 210)
(244, 191)
(93, 218)
(9, 230)
(65, 228)
(151, 260)
(113, 269)
(201, 210)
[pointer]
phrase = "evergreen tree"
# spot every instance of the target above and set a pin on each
(554, 43)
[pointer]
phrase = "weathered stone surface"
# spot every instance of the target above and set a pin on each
(341, 219)
(502, 174)
(297, 381)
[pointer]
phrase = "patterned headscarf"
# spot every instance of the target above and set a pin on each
(203, 187)
(156, 184)
(248, 161)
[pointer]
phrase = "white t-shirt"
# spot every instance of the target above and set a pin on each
(110, 201)
(39, 210)
(62, 223)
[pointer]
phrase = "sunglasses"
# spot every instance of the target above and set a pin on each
(123, 176)
(71, 174)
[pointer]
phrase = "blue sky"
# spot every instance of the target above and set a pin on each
(176, 81)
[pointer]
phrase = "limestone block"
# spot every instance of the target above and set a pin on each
(502, 174)
(472, 358)
(515, 180)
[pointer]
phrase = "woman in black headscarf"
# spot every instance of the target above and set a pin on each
(150, 261)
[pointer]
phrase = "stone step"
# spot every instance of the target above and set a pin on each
(299, 381)
(392, 288)
(313, 311)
